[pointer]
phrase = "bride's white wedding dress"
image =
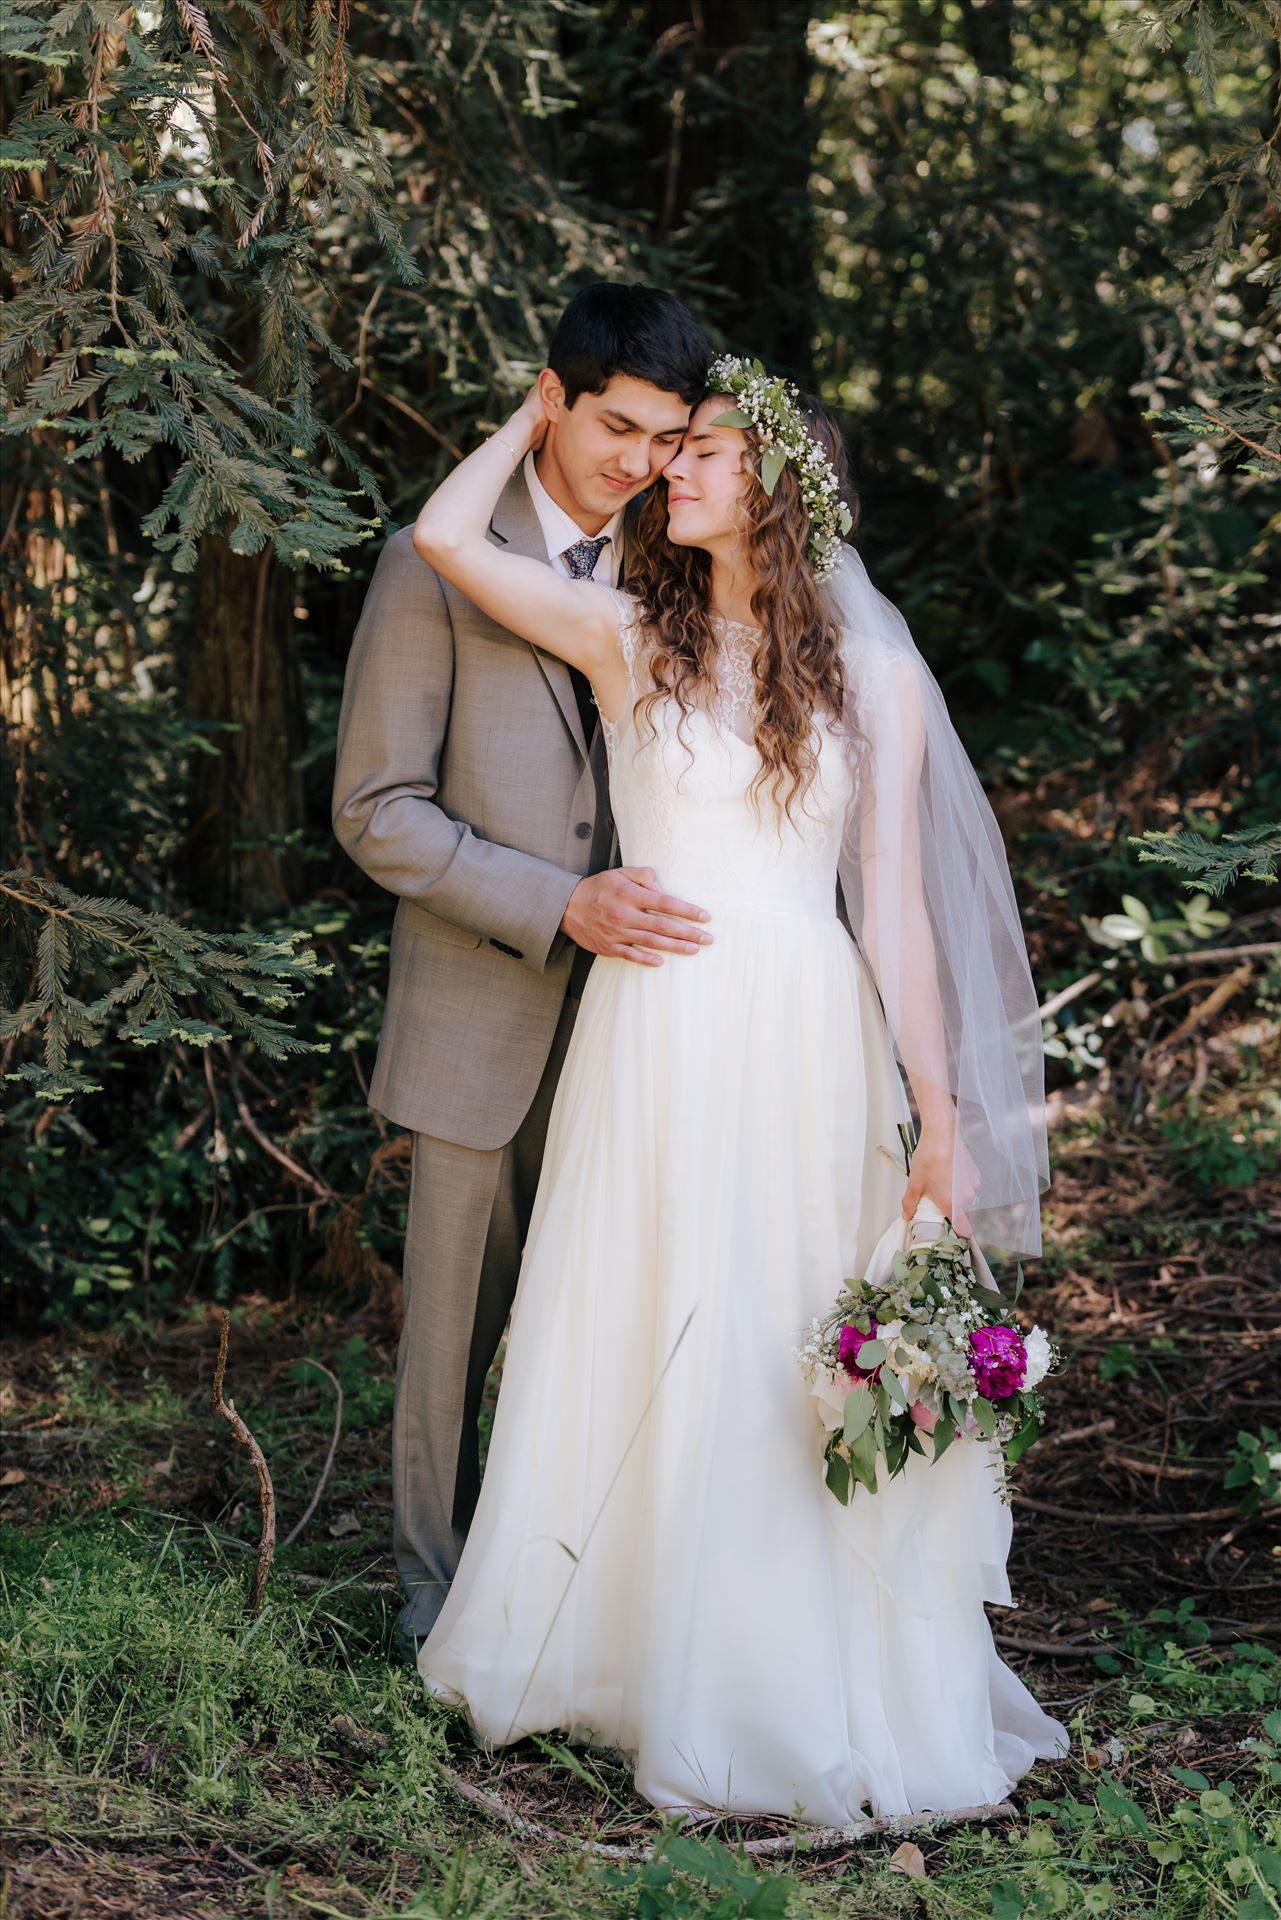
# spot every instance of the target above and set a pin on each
(655, 1563)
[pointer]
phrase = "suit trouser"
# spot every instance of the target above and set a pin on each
(469, 1212)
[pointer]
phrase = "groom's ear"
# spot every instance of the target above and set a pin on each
(552, 390)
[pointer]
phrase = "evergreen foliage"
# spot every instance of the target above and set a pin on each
(1215, 865)
(234, 977)
(271, 266)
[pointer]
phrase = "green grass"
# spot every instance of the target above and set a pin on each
(166, 1752)
(143, 1704)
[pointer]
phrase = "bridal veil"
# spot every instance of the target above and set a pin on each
(931, 904)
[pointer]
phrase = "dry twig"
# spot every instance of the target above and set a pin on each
(266, 1492)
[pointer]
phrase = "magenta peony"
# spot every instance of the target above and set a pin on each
(851, 1341)
(998, 1361)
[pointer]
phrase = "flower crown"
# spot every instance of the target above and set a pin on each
(771, 408)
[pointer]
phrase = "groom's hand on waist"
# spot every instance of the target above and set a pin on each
(625, 915)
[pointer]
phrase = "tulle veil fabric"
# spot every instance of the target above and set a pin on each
(931, 904)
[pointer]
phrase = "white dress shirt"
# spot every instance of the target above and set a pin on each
(560, 532)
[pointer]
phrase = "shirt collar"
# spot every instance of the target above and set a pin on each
(559, 531)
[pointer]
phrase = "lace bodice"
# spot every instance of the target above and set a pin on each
(681, 793)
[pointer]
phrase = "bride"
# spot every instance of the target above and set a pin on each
(655, 1564)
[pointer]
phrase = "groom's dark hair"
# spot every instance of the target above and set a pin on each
(610, 328)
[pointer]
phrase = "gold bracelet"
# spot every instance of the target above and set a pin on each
(507, 443)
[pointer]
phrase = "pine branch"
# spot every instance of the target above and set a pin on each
(1214, 865)
(179, 976)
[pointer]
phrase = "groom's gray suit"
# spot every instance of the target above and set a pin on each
(466, 785)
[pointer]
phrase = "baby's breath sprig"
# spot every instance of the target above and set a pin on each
(771, 407)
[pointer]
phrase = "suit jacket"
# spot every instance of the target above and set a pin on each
(465, 786)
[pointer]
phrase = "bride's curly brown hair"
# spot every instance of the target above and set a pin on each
(798, 661)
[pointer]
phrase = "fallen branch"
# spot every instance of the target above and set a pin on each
(1206, 1009)
(1162, 1469)
(1147, 1521)
(810, 1840)
(831, 1839)
(266, 1492)
(1067, 994)
(1076, 1649)
(1255, 949)
(269, 1147)
(1079, 1433)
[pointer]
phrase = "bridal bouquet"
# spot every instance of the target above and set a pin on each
(921, 1347)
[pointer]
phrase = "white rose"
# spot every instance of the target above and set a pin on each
(830, 1390)
(1040, 1357)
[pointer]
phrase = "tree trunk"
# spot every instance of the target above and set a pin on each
(247, 798)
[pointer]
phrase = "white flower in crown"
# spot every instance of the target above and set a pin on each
(771, 407)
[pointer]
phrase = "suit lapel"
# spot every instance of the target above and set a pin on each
(515, 526)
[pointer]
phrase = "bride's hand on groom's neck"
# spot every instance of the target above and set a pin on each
(575, 619)
(530, 422)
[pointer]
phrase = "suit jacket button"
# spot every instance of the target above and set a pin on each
(584, 830)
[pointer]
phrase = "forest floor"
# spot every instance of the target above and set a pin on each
(168, 1752)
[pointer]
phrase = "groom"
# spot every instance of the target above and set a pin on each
(471, 782)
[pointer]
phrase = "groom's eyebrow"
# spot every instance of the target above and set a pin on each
(664, 433)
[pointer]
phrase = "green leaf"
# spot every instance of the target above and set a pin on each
(863, 1459)
(870, 1355)
(734, 418)
(944, 1434)
(1165, 1852)
(838, 1477)
(1007, 1901)
(859, 1408)
(1118, 1808)
(985, 1415)
(1023, 1439)
(772, 463)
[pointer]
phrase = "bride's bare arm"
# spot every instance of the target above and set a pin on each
(575, 619)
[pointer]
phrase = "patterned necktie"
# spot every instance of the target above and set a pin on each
(581, 560)
(582, 557)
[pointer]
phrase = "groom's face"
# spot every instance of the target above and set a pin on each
(610, 446)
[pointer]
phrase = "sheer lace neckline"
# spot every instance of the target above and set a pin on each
(732, 702)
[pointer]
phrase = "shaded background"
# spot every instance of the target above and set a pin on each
(270, 270)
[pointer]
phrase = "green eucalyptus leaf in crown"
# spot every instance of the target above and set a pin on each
(771, 408)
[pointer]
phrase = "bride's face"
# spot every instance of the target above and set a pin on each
(707, 479)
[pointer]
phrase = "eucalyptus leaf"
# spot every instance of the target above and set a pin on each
(734, 418)
(859, 1408)
(985, 1415)
(863, 1460)
(772, 463)
(838, 1477)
